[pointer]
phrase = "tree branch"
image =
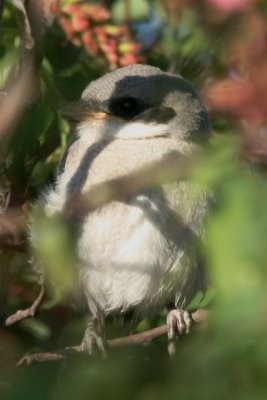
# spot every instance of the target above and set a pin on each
(173, 168)
(23, 87)
(28, 312)
(136, 339)
(2, 4)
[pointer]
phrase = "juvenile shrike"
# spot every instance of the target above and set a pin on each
(139, 255)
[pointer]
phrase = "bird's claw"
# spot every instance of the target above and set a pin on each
(179, 322)
(93, 342)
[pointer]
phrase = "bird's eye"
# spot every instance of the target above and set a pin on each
(127, 107)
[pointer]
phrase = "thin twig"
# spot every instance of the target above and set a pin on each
(2, 5)
(127, 12)
(12, 227)
(171, 169)
(4, 280)
(136, 339)
(28, 312)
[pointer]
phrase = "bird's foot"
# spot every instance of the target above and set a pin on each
(93, 342)
(179, 322)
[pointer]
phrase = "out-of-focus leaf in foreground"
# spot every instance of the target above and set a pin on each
(54, 253)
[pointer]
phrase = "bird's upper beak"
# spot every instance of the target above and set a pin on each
(78, 111)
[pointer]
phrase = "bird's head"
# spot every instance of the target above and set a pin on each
(139, 102)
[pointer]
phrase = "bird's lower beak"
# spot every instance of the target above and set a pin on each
(79, 111)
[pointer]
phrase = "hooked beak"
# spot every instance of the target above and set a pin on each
(78, 111)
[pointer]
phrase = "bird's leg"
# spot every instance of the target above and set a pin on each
(94, 339)
(179, 323)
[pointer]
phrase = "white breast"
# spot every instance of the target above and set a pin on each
(128, 262)
(131, 254)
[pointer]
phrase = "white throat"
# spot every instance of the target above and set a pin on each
(114, 129)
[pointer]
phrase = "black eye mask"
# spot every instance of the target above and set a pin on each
(127, 107)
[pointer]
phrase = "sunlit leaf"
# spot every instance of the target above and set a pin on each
(138, 10)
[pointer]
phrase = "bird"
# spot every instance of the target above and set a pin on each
(138, 255)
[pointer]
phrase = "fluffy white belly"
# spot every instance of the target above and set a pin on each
(126, 260)
(139, 255)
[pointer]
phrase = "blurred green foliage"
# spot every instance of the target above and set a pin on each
(228, 357)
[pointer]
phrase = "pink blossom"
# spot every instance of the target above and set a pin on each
(230, 5)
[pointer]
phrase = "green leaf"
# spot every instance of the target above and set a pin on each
(138, 10)
(54, 249)
(6, 64)
(38, 329)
